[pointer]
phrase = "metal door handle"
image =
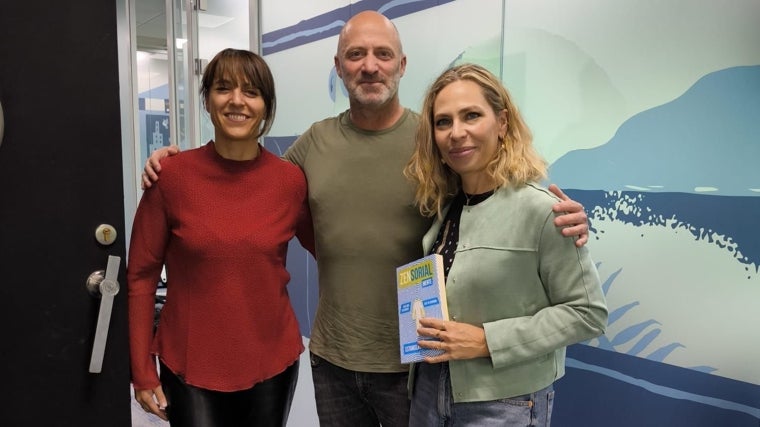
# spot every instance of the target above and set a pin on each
(105, 285)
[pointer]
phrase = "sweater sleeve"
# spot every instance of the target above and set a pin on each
(576, 308)
(150, 235)
(305, 229)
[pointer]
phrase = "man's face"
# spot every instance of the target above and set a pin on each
(370, 61)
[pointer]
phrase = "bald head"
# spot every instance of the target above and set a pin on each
(372, 22)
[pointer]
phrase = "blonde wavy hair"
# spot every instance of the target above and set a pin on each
(516, 162)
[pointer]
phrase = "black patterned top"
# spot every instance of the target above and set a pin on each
(448, 236)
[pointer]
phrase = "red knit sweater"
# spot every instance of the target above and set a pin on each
(222, 228)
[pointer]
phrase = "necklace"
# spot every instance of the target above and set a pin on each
(474, 199)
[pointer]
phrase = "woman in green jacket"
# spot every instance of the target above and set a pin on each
(518, 291)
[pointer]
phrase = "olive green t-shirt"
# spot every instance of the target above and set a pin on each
(365, 225)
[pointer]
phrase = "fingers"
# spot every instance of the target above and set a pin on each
(144, 398)
(151, 168)
(435, 345)
(154, 162)
(154, 409)
(162, 403)
(577, 222)
(148, 401)
(579, 230)
(146, 182)
(430, 322)
(433, 328)
(558, 192)
(573, 221)
(566, 204)
(149, 175)
(153, 165)
(568, 207)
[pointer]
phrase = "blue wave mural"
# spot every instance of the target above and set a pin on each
(707, 141)
(625, 391)
(685, 168)
(703, 217)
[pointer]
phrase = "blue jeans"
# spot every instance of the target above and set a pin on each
(359, 399)
(433, 404)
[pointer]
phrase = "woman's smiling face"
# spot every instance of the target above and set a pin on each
(467, 131)
(236, 110)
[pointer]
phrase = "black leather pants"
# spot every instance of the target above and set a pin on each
(265, 404)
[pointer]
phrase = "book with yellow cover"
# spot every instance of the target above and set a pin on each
(421, 293)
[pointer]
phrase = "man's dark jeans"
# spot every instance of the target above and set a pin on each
(359, 399)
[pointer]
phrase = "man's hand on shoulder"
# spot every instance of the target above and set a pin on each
(572, 218)
(153, 165)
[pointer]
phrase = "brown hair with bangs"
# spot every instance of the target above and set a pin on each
(243, 67)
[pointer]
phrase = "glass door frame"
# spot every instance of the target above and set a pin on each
(182, 51)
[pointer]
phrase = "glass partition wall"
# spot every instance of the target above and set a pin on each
(174, 39)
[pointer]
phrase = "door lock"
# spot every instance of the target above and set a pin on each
(105, 234)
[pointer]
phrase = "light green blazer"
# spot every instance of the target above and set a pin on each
(528, 286)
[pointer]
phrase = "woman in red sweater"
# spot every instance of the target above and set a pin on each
(220, 220)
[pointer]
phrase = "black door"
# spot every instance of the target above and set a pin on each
(60, 177)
